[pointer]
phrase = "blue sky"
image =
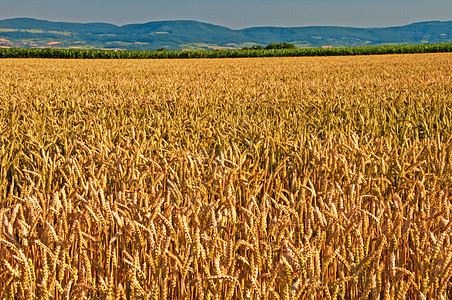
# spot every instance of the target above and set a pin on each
(236, 13)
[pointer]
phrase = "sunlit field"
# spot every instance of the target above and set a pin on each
(258, 178)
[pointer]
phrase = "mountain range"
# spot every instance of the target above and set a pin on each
(193, 35)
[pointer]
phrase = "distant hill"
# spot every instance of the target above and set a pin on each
(192, 35)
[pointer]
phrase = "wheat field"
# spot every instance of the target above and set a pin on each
(271, 178)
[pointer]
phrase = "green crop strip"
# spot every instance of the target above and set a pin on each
(125, 54)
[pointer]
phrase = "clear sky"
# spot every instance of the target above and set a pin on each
(235, 13)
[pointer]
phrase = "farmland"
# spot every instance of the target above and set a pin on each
(247, 178)
(225, 53)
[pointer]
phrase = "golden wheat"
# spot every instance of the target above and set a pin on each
(287, 178)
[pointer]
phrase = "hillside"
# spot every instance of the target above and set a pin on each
(177, 35)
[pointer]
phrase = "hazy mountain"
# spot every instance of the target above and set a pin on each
(27, 32)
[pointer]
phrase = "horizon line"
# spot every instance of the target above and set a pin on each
(197, 21)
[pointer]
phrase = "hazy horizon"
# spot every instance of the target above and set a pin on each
(236, 14)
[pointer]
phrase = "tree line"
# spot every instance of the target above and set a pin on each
(271, 50)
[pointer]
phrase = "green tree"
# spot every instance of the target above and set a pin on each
(280, 46)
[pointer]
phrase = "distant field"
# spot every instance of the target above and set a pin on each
(269, 178)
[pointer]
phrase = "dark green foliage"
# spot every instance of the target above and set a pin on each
(280, 46)
(124, 54)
